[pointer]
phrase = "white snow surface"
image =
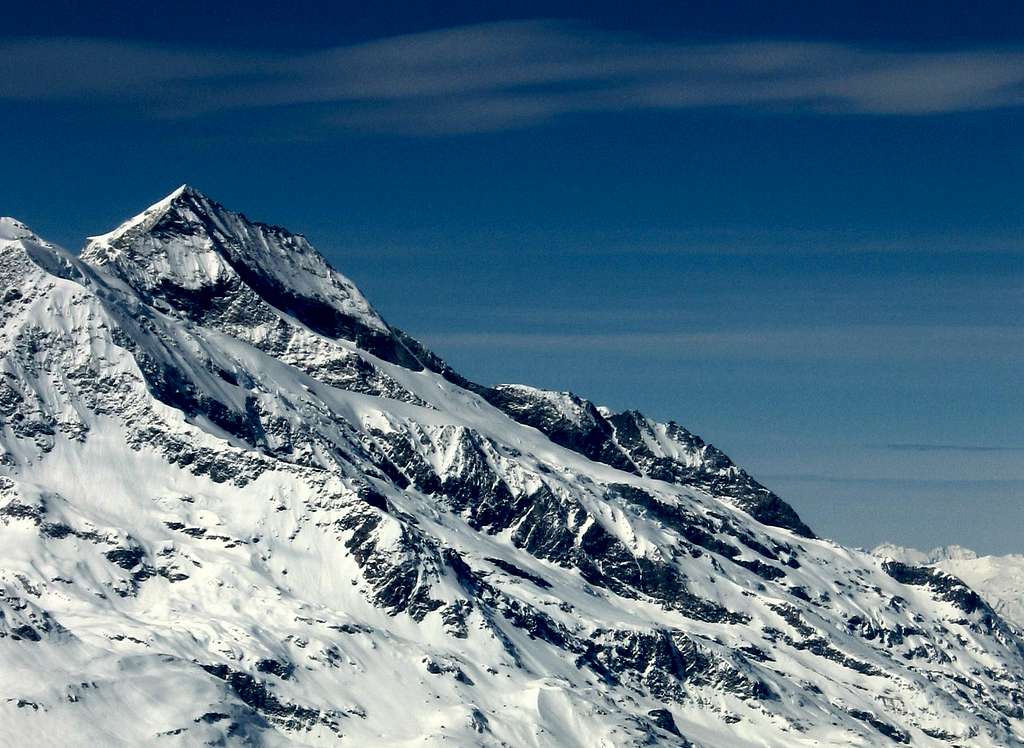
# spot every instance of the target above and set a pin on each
(198, 545)
(999, 579)
(12, 229)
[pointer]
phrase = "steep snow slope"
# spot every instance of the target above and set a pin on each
(237, 506)
(998, 579)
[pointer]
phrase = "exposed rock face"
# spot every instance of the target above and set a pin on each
(237, 507)
(629, 441)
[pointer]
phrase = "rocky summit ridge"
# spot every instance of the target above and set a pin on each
(238, 507)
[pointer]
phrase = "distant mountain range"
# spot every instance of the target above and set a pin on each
(998, 579)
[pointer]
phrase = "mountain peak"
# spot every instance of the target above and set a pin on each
(203, 260)
(21, 245)
(186, 189)
(188, 239)
(186, 199)
(98, 246)
(915, 556)
(183, 192)
(11, 229)
(186, 192)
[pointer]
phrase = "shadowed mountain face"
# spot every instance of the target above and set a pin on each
(237, 506)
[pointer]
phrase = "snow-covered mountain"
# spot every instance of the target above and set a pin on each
(238, 507)
(998, 579)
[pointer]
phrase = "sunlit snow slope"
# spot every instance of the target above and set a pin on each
(237, 507)
(998, 579)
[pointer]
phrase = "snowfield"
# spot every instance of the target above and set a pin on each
(237, 507)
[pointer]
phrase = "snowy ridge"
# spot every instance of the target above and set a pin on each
(188, 239)
(242, 512)
(934, 556)
(12, 230)
(999, 579)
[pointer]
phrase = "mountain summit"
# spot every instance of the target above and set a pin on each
(202, 260)
(237, 507)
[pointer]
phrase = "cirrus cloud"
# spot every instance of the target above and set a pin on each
(849, 343)
(507, 75)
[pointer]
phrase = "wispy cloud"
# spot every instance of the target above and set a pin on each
(1009, 483)
(949, 448)
(507, 75)
(720, 240)
(857, 342)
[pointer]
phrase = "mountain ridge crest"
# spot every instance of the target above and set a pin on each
(236, 511)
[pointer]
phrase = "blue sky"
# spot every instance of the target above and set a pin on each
(796, 228)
